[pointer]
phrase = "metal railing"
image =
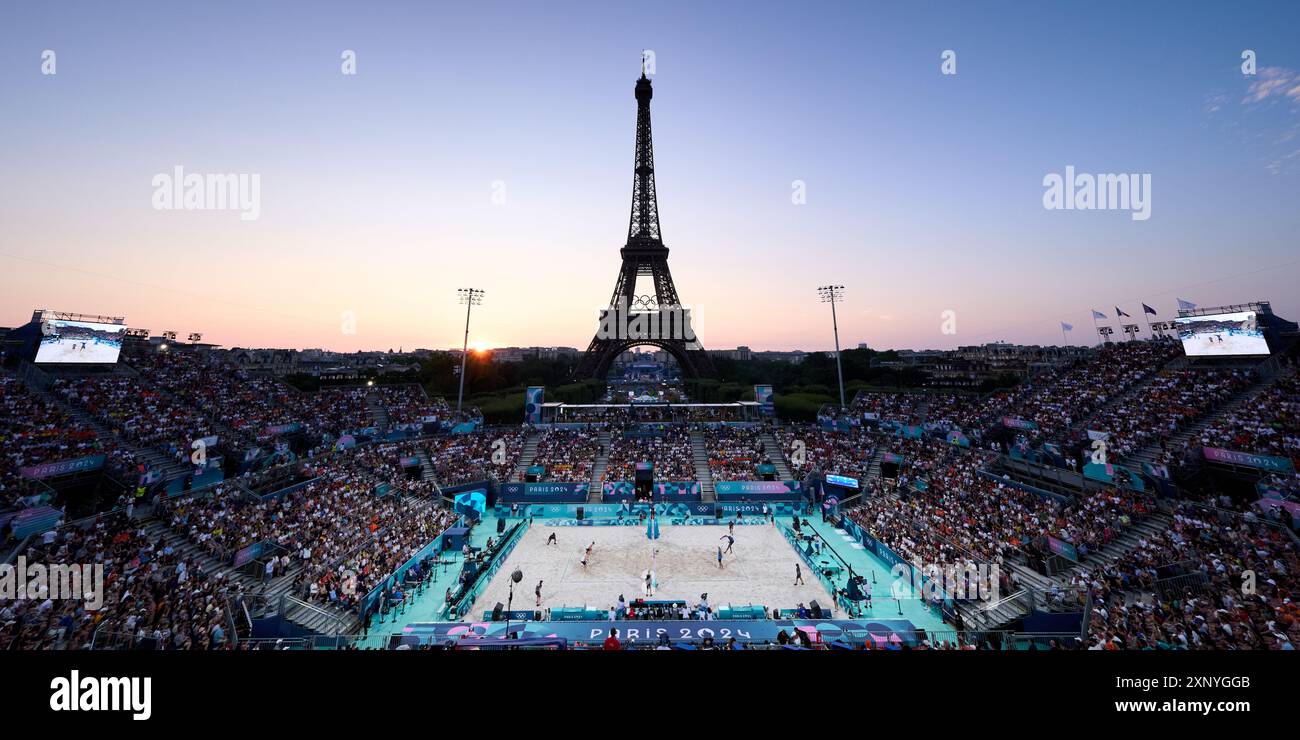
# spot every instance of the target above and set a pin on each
(1194, 584)
(288, 602)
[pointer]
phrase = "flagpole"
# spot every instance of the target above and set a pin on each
(1146, 312)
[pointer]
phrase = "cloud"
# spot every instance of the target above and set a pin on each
(1256, 122)
(1274, 82)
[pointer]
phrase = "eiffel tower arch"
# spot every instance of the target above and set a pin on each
(645, 256)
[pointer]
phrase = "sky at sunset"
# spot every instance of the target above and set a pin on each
(491, 145)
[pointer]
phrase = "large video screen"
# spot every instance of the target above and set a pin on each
(1222, 334)
(80, 342)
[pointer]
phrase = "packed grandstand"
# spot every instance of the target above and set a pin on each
(320, 508)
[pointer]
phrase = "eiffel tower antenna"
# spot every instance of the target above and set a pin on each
(644, 255)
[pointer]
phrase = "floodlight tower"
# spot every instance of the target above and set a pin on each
(469, 297)
(831, 294)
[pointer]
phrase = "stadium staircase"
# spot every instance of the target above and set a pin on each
(1031, 586)
(1143, 529)
(1123, 396)
(376, 411)
(324, 618)
(700, 455)
(1151, 453)
(777, 455)
(427, 471)
(923, 410)
(532, 438)
(595, 492)
(873, 470)
(320, 618)
(156, 530)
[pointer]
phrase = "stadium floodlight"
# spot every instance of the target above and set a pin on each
(195, 337)
(470, 297)
(831, 294)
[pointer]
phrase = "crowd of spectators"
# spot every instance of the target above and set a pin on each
(335, 526)
(409, 404)
(250, 404)
(462, 458)
(35, 431)
(1092, 521)
(567, 454)
(137, 412)
(1268, 425)
(959, 518)
(344, 537)
(958, 511)
(152, 597)
(1058, 400)
(668, 449)
(903, 408)
(735, 452)
(1188, 589)
(922, 458)
(1158, 411)
(965, 411)
(346, 580)
(245, 403)
(383, 461)
(337, 410)
(808, 447)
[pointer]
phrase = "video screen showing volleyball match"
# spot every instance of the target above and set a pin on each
(1222, 334)
(80, 342)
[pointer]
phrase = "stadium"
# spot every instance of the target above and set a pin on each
(892, 430)
(1134, 495)
(375, 516)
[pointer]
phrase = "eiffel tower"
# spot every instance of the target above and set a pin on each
(644, 255)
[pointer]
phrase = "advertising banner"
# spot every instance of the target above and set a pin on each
(1062, 548)
(63, 467)
(279, 429)
(544, 492)
(471, 503)
(1290, 508)
(758, 490)
(1114, 474)
(1249, 460)
(534, 397)
(684, 491)
(882, 633)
